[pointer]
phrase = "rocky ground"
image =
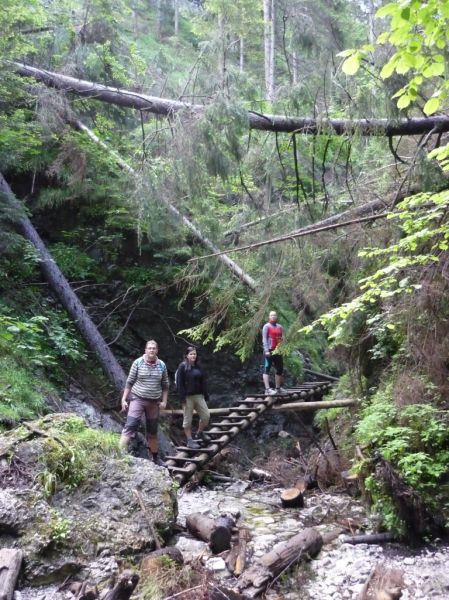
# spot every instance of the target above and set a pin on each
(340, 570)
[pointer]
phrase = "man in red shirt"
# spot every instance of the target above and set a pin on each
(272, 334)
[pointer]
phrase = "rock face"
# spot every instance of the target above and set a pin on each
(116, 506)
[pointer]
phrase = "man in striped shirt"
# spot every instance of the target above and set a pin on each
(147, 390)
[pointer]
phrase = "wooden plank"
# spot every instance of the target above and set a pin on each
(301, 406)
(10, 563)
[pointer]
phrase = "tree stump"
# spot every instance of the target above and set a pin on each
(292, 498)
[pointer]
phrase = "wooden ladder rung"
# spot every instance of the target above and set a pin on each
(196, 450)
(193, 459)
(254, 401)
(180, 470)
(236, 424)
(234, 418)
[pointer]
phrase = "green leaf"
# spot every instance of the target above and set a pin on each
(404, 101)
(405, 14)
(351, 64)
(387, 10)
(433, 70)
(431, 106)
(346, 53)
(388, 69)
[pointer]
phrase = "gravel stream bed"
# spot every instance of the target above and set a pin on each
(337, 573)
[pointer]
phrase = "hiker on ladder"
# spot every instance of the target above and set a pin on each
(191, 383)
(272, 333)
(145, 393)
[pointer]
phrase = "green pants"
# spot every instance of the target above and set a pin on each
(198, 403)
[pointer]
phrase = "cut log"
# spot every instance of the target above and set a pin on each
(351, 483)
(280, 123)
(383, 583)
(256, 578)
(217, 532)
(10, 563)
(67, 296)
(240, 563)
(292, 498)
(124, 587)
(370, 538)
(260, 475)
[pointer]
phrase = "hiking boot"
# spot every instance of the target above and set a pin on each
(202, 438)
(270, 392)
(281, 390)
(158, 461)
(193, 444)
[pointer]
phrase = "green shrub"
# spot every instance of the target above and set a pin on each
(72, 455)
(414, 439)
(22, 394)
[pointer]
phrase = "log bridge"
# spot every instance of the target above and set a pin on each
(188, 461)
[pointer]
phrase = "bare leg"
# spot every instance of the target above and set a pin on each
(124, 441)
(279, 379)
(153, 443)
(203, 425)
(266, 380)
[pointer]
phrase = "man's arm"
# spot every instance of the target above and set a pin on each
(164, 385)
(132, 377)
(265, 340)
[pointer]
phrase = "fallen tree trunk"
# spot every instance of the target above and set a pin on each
(370, 538)
(361, 214)
(196, 233)
(215, 531)
(67, 296)
(255, 579)
(10, 563)
(279, 123)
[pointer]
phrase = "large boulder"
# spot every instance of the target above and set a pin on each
(68, 495)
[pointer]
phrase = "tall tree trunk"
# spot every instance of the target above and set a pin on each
(158, 19)
(67, 296)
(269, 41)
(196, 233)
(295, 67)
(242, 54)
(279, 123)
(176, 16)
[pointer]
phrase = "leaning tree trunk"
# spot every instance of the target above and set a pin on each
(67, 296)
(167, 108)
(195, 232)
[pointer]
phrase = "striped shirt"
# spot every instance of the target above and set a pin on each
(147, 380)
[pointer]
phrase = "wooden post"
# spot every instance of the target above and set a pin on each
(10, 563)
